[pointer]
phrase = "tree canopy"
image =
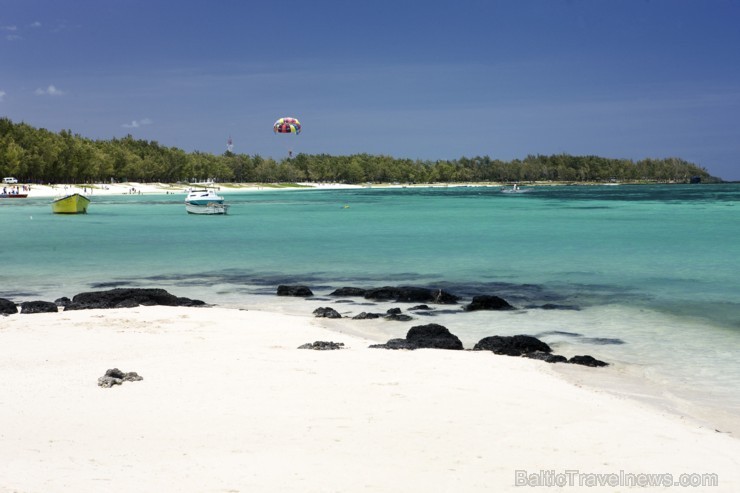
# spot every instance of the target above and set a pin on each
(36, 155)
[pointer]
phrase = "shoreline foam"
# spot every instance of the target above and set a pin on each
(229, 404)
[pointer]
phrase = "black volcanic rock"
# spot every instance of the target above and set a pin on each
(546, 357)
(326, 312)
(385, 293)
(7, 307)
(63, 301)
(322, 345)
(128, 297)
(415, 295)
(553, 306)
(348, 291)
(587, 360)
(512, 345)
(396, 315)
(602, 341)
(488, 302)
(411, 294)
(294, 290)
(38, 307)
(367, 316)
(431, 336)
(117, 377)
(395, 344)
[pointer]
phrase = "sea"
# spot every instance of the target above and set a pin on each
(644, 277)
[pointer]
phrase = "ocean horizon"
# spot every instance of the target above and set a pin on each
(641, 276)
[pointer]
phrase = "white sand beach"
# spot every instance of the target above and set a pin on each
(130, 188)
(229, 404)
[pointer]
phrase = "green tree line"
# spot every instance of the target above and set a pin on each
(36, 155)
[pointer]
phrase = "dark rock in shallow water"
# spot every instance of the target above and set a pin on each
(558, 333)
(128, 297)
(488, 302)
(348, 291)
(444, 298)
(420, 307)
(386, 293)
(587, 361)
(297, 290)
(549, 358)
(411, 294)
(396, 315)
(443, 312)
(553, 306)
(414, 294)
(322, 345)
(63, 301)
(512, 345)
(7, 307)
(602, 341)
(38, 307)
(326, 312)
(366, 316)
(117, 377)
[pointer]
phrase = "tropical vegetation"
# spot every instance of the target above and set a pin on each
(37, 155)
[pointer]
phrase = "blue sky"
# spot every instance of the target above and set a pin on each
(410, 79)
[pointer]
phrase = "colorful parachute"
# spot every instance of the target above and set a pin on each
(287, 125)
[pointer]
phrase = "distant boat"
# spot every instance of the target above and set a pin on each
(13, 195)
(205, 201)
(70, 204)
(515, 189)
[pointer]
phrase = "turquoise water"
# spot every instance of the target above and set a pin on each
(654, 266)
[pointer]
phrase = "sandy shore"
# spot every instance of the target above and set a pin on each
(229, 404)
(131, 188)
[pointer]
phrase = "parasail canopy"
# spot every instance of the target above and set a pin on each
(287, 125)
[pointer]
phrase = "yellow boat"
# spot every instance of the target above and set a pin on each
(70, 204)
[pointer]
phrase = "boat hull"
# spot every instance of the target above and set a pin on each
(213, 208)
(71, 204)
(205, 201)
(13, 195)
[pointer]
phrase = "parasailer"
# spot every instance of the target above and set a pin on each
(287, 125)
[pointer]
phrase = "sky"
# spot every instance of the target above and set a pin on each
(433, 79)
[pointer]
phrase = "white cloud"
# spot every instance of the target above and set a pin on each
(12, 30)
(2, 96)
(49, 91)
(137, 123)
(36, 24)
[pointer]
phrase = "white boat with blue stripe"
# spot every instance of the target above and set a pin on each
(205, 201)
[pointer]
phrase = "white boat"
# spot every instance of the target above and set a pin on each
(207, 209)
(205, 201)
(515, 189)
